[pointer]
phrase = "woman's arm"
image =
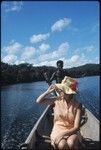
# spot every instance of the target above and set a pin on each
(43, 99)
(76, 123)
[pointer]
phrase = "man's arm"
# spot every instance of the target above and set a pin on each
(65, 72)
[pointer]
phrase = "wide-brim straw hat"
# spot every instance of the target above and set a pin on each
(68, 85)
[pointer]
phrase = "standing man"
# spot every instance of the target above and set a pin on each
(59, 74)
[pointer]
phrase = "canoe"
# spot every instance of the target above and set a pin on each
(39, 137)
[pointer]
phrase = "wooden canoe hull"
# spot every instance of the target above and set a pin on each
(43, 127)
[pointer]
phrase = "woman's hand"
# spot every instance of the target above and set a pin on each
(51, 88)
(60, 136)
(43, 98)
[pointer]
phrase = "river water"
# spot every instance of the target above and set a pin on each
(19, 111)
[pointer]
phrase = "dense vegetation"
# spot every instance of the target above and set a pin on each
(21, 73)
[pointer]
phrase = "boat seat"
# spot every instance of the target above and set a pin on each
(46, 138)
(90, 144)
(44, 142)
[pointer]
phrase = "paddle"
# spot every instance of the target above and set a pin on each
(47, 79)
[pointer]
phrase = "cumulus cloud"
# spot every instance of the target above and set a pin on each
(60, 24)
(39, 37)
(13, 48)
(17, 62)
(89, 48)
(74, 58)
(47, 63)
(44, 47)
(12, 6)
(9, 59)
(74, 61)
(17, 53)
(28, 53)
(56, 54)
(63, 47)
(97, 60)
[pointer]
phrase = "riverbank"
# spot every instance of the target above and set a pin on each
(7, 84)
(27, 73)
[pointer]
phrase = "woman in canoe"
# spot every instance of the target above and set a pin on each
(67, 114)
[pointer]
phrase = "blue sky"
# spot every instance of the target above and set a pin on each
(40, 33)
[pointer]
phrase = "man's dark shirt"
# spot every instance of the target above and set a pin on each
(58, 75)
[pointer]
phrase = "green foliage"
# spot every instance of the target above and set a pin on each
(85, 70)
(25, 72)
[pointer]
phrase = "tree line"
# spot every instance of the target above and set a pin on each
(11, 74)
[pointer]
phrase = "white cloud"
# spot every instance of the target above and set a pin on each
(42, 63)
(15, 53)
(12, 6)
(44, 47)
(73, 61)
(17, 62)
(16, 49)
(97, 60)
(74, 58)
(9, 59)
(39, 37)
(63, 47)
(60, 24)
(89, 48)
(13, 48)
(56, 54)
(28, 53)
(47, 63)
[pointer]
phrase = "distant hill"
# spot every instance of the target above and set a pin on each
(85, 70)
(11, 74)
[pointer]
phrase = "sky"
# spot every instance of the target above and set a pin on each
(42, 32)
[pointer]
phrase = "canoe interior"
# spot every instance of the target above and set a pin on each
(39, 137)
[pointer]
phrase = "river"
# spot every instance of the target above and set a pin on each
(19, 111)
